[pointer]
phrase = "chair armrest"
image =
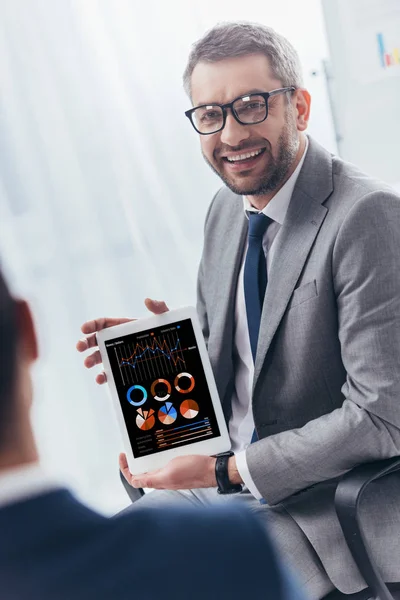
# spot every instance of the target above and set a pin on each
(347, 500)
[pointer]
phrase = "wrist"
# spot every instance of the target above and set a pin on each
(233, 473)
(212, 478)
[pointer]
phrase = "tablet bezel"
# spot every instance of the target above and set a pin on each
(159, 459)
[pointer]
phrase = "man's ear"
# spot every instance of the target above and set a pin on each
(27, 339)
(302, 105)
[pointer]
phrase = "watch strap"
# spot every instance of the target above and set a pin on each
(221, 474)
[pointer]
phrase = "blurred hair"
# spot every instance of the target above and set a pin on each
(8, 356)
(227, 40)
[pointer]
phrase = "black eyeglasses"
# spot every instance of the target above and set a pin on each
(247, 110)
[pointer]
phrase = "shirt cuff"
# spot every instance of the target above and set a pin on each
(241, 465)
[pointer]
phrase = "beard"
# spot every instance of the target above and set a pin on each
(277, 168)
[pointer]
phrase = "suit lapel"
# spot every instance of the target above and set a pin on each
(303, 220)
(231, 249)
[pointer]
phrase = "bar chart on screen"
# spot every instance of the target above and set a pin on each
(151, 358)
(182, 435)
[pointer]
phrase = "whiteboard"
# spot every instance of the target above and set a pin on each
(364, 82)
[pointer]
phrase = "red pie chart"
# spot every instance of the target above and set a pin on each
(189, 409)
(145, 419)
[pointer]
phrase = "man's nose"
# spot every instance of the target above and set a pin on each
(234, 133)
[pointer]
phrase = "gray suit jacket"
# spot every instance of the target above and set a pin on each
(326, 388)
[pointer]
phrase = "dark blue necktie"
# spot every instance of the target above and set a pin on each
(255, 275)
(255, 280)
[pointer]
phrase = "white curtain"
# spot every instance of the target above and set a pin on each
(103, 189)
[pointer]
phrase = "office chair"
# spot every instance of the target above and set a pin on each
(348, 496)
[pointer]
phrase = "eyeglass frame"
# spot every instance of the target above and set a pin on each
(266, 95)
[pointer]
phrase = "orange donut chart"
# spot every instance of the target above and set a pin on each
(189, 409)
(153, 390)
(178, 388)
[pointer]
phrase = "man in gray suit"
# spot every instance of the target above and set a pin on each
(299, 298)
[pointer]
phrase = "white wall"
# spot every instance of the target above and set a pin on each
(103, 189)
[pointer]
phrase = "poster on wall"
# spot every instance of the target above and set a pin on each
(373, 38)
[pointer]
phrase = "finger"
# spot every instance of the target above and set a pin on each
(123, 465)
(87, 342)
(155, 306)
(123, 462)
(102, 323)
(101, 378)
(137, 481)
(93, 360)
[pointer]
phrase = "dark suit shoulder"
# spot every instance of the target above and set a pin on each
(71, 552)
(217, 545)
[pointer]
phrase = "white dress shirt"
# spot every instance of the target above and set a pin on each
(241, 424)
(26, 481)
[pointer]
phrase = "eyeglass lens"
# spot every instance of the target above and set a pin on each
(249, 109)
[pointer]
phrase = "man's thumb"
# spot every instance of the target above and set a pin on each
(156, 306)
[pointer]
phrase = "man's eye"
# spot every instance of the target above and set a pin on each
(210, 116)
(255, 106)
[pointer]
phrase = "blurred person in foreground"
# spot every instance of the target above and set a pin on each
(52, 547)
(299, 299)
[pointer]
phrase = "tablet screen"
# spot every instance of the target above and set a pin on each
(162, 388)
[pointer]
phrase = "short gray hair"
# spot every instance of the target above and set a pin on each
(227, 40)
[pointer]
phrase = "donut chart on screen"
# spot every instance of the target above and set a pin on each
(167, 414)
(189, 409)
(145, 419)
(177, 382)
(142, 392)
(162, 387)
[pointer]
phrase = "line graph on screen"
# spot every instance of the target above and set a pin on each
(150, 359)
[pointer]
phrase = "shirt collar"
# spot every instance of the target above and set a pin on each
(26, 481)
(276, 208)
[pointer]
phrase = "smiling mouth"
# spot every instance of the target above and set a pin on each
(244, 157)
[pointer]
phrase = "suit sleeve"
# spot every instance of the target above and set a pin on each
(365, 266)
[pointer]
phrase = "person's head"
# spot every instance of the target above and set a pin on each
(234, 61)
(18, 350)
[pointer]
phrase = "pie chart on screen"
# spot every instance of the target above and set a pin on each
(167, 414)
(145, 419)
(189, 409)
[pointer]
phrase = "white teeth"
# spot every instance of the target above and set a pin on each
(244, 156)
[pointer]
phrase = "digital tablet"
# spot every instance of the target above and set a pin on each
(163, 389)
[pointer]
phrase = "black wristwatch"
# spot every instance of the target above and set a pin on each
(222, 477)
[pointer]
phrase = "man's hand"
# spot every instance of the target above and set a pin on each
(91, 327)
(181, 473)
